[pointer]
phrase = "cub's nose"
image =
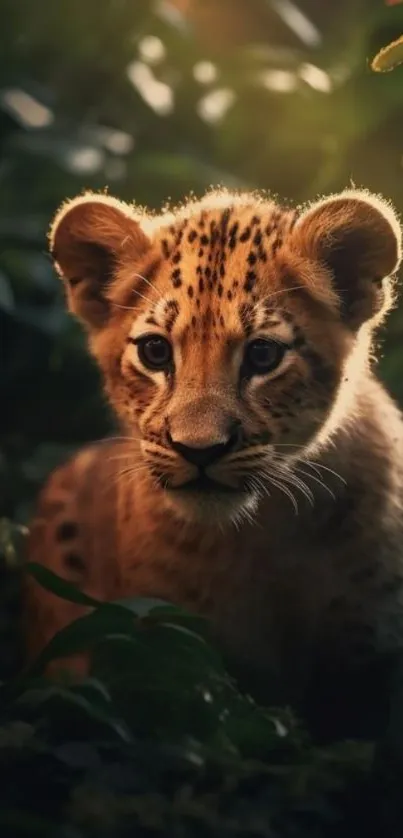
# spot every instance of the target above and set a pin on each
(203, 457)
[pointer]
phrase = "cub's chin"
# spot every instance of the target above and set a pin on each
(211, 502)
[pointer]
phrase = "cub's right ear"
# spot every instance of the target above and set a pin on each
(89, 237)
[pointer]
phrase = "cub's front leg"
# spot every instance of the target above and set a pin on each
(68, 537)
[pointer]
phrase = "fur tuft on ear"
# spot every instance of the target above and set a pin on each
(88, 238)
(357, 237)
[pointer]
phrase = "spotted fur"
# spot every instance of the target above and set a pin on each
(294, 550)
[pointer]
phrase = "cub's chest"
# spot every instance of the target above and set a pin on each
(264, 597)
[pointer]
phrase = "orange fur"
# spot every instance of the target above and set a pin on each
(286, 593)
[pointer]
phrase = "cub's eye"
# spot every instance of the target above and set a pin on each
(263, 356)
(155, 352)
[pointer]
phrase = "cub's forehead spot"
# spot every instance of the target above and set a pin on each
(218, 263)
(223, 245)
(236, 320)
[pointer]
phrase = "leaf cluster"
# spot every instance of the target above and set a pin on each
(158, 740)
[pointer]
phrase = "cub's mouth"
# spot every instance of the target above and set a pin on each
(204, 484)
(208, 500)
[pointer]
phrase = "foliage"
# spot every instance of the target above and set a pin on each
(389, 57)
(158, 739)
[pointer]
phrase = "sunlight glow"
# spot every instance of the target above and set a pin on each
(298, 22)
(280, 81)
(118, 142)
(281, 730)
(213, 107)
(152, 49)
(158, 95)
(205, 72)
(84, 160)
(28, 111)
(168, 12)
(315, 77)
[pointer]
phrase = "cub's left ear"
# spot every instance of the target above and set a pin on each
(357, 237)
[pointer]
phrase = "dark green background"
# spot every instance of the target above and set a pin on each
(72, 58)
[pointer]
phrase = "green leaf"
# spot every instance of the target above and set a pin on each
(163, 653)
(93, 691)
(389, 57)
(159, 610)
(159, 694)
(175, 642)
(58, 586)
(152, 611)
(69, 706)
(82, 634)
(178, 616)
(142, 607)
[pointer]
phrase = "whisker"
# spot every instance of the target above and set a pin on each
(150, 284)
(131, 470)
(252, 483)
(296, 482)
(289, 476)
(277, 293)
(313, 464)
(247, 455)
(117, 476)
(306, 462)
(243, 515)
(248, 516)
(121, 458)
(158, 294)
(132, 308)
(286, 491)
(317, 480)
(259, 484)
(298, 446)
(107, 439)
(236, 520)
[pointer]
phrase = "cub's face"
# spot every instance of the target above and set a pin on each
(225, 369)
(223, 335)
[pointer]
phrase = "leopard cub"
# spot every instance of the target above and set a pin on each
(259, 476)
